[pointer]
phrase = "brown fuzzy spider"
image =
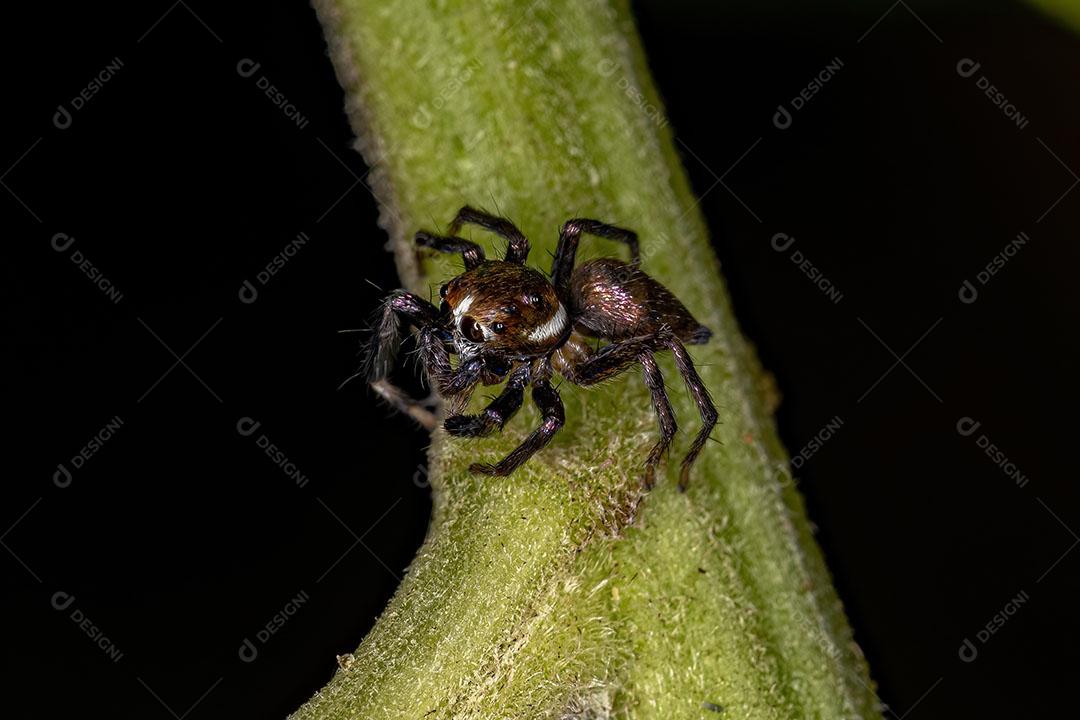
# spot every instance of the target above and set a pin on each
(506, 321)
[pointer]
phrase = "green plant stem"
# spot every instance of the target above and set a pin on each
(1065, 11)
(562, 591)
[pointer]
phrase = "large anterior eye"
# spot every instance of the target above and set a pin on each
(471, 329)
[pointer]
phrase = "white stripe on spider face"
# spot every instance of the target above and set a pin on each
(462, 308)
(552, 328)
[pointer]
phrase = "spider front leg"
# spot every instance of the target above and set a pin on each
(496, 414)
(562, 266)
(434, 349)
(551, 407)
(517, 249)
(400, 401)
(400, 310)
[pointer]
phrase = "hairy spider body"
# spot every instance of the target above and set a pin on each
(508, 322)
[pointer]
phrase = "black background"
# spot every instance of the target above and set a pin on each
(179, 180)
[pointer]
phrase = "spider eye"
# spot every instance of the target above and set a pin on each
(499, 328)
(442, 291)
(533, 299)
(471, 329)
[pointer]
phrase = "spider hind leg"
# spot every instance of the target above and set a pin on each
(654, 380)
(585, 369)
(701, 396)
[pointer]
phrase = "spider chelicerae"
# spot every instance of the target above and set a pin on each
(508, 322)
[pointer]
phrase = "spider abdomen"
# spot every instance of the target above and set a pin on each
(616, 301)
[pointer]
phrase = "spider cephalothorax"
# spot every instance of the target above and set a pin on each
(505, 321)
(505, 307)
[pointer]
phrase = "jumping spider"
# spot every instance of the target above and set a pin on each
(506, 321)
